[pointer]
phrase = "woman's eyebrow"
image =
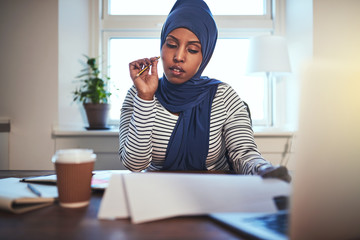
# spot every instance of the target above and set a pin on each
(171, 36)
(195, 42)
(190, 42)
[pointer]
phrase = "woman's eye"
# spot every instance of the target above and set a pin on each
(170, 45)
(193, 51)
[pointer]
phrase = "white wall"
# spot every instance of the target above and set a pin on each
(319, 29)
(337, 29)
(42, 42)
(29, 76)
(299, 35)
(74, 34)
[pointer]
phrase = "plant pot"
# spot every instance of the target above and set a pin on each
(97, 115)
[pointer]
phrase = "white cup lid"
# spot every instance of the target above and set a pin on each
(75, 155)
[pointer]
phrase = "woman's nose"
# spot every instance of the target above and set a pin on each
(179, 55)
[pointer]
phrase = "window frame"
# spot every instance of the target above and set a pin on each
(105, 26)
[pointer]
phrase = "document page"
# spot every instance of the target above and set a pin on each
(152, 196)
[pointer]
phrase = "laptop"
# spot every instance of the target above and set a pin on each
(325, 200)
(270, 226)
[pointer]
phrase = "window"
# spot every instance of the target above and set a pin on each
(128, 32)
(145, 7)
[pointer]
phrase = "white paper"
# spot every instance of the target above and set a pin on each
(154, 196)
(14, 189)
(114, 202)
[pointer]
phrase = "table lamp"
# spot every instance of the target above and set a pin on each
(268, 54)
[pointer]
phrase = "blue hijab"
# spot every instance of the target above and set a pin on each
(189, 143)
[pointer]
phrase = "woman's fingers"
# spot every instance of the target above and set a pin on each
(145, 78)
(137, 67)
(154, 61)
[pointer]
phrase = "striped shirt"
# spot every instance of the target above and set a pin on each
(146, 127)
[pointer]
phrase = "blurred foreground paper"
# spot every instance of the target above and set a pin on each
(328, 153)
(154, 196)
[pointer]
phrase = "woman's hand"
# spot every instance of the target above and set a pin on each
(147, 82)
(269, 171)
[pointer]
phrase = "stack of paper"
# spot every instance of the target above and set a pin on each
(152, 196)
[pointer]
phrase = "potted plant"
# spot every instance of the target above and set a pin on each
(94, 95)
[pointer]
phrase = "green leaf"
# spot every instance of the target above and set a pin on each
(93, 87)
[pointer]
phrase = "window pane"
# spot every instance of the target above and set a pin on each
(162, 7)
(227, 64)
(122, 51)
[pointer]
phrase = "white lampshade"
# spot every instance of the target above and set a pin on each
(268, 54)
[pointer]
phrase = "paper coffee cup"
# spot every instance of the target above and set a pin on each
(74, 172)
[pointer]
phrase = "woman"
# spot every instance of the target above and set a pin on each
(184, 121)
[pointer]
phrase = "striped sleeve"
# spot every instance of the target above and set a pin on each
(135, 132)
(239, 137)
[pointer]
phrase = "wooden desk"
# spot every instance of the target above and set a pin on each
(55, 222)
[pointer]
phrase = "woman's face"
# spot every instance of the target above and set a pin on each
(181, 55)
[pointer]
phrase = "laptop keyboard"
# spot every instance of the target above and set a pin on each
(277, 222)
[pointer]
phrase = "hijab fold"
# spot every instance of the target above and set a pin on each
(189, 143)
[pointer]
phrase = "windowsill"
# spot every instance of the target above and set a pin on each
(77, 131)
(273, 132)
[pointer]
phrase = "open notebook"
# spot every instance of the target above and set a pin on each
(325, 203)
(16, 197)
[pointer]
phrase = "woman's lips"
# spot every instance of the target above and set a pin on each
(177, 70)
